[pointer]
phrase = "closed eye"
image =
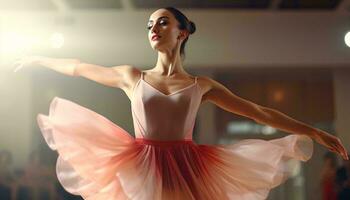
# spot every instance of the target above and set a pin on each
(162, 22)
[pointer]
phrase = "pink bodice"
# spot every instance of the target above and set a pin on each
(164, 117)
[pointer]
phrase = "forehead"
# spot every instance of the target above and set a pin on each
(160, 13)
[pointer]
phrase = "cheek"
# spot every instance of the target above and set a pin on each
(170, 32)
(175, 33)
(172, 36)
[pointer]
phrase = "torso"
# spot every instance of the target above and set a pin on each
(166, 85)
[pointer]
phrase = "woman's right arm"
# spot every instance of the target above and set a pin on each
(117, 76)
(109, 76)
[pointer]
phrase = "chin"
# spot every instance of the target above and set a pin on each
(158, 47)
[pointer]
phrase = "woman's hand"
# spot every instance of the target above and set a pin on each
(331, 142)
(26, 61)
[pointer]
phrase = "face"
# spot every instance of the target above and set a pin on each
(164, 24)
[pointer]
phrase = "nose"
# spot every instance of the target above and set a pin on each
(154, 28)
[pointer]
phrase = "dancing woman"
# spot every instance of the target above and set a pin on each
(100, 161)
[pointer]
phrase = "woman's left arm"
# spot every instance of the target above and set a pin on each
(225, 99)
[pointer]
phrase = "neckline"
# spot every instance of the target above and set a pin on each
(170, 94)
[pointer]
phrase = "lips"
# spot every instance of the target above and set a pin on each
(155, 37)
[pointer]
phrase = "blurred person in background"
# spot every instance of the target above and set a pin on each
(328, 176)
(7, 176)
(38, 180)
(343, 181)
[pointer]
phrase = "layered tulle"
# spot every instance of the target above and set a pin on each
(101, 161)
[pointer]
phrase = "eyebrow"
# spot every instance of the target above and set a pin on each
(163, 17)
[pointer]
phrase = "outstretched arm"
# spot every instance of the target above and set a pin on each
(225, 99)
(64, 66)
(110, 76)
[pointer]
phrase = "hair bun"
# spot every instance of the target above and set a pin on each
(192, 27)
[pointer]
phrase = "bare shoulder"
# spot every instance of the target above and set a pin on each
(128, 72)
(131, 74)
(206, 84)
(210, 88)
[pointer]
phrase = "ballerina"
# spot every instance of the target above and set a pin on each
(101, 161)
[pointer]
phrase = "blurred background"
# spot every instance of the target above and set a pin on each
(291, 55)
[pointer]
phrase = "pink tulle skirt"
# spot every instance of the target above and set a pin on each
(101, 161)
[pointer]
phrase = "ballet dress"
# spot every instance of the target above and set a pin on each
(99, 160)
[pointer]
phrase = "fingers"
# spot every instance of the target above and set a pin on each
(18, 68)
(341, 149)
(344, 151)
(18, 65)
(334, 146)
(333, 143)
(21, 62)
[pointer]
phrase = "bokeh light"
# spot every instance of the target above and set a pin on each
(347, 39)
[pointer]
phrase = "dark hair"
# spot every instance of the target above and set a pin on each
(185, 24)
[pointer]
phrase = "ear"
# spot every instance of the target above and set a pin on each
(183, 34)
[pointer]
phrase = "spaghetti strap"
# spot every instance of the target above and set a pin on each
(142, 75)
(136, 84)
(195, 79)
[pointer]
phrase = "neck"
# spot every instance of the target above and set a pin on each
(169, 63)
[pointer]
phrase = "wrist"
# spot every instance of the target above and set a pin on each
(315, 133)
(75, 66)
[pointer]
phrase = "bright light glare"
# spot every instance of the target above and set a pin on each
(12, 42)
(57, 40)
(347, 39)
(17, 43)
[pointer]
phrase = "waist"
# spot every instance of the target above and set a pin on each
(163, 142)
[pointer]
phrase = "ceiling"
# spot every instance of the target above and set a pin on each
(192, 4)
(258, 33)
